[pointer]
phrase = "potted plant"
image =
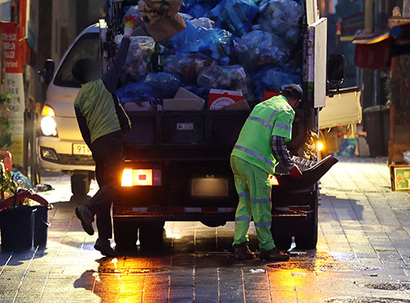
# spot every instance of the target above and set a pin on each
(23, 216)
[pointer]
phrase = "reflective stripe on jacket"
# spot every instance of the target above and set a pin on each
(273, 117)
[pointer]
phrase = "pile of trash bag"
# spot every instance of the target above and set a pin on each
(247, 45)
(139, 54)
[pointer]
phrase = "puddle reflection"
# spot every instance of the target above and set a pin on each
(126, 279)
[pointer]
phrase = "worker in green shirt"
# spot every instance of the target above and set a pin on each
(103, 124)
(260, 147)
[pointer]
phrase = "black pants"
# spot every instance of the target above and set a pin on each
(108, 156)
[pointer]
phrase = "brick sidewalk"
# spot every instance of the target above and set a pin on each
(363, 249)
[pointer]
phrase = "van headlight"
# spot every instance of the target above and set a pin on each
(48, 126)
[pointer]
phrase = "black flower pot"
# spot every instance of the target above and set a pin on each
(41, 226)
(23, 228)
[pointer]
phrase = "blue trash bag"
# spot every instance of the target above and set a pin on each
(259, 48)
(164, 83)
(213, 42)
(198, 8)
(273, 79)
(225, 77)
(281, 17)
(21, 180)
(138, 92)
(235, 15)
(187, 67)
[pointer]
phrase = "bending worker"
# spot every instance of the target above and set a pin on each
(260, 146)
(103, 123)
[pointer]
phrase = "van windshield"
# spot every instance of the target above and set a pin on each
(86, 47)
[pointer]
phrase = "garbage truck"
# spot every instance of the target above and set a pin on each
(187, 98)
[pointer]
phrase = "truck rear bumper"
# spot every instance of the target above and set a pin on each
(175, 213)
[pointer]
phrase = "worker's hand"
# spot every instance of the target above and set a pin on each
(129, 25)
(295, 173)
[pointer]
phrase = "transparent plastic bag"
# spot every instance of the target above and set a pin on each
(187, 67)
(235, 15)
(203, 21)
(134, 12)
(139, 54)
(281, 17)
(259, 48)
(225, 77)
(213, 42)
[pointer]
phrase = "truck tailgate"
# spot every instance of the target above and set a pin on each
(172, 134)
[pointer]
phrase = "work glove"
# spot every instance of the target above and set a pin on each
(162, 17)
(129, 24)
(295, 173)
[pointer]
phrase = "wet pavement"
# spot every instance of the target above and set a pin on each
(363, 254)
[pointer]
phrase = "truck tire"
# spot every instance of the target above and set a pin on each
(151, 234)
(125, 236)
(80, 184)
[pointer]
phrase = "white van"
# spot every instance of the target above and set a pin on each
(61, 147)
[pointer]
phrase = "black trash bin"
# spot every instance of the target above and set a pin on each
(295, 205)
(17, 228)
(376, 122)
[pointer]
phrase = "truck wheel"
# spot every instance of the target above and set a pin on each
(80, 184)
(125, 236)
(151, 234)
(213, 223)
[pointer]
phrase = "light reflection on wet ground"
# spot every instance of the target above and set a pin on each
(363, 255)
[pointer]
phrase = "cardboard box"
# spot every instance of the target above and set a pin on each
(184, 100)
(400, 176)
(219, 98)
(240, 105)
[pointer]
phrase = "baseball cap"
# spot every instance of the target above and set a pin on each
(294, 90)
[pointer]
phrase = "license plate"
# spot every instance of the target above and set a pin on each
(185, 126)
(81, 149)
(209, 187)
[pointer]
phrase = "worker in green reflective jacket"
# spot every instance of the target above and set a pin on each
(260, 147)
(103, 124)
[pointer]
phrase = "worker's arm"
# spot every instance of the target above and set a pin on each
(82, 123)
(280, 152)
(112, 75)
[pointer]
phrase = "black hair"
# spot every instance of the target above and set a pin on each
(81, 70)
(292, 91)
